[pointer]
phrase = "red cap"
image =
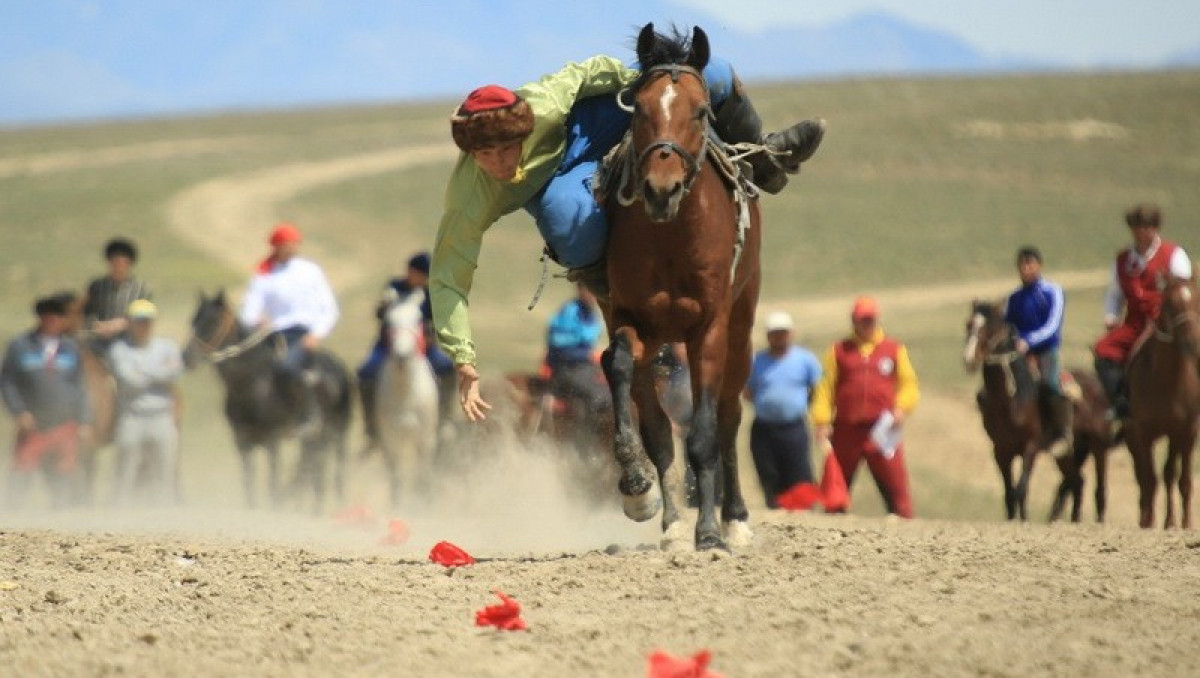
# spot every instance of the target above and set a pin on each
(487, 98)
(283, 234)
(865, 307)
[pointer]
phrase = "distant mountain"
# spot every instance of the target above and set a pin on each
(1186, 59)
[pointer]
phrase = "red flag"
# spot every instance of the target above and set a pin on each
(506, 616)
(665, 665)
(397, 533)
(799, 497)
(449, 555)
(836, 497)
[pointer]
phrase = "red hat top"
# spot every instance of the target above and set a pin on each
(487, 98)
(865, 307)
(284, 233)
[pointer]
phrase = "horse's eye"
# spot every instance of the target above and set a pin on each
(703, 113)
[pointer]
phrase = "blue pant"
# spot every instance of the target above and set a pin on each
(570, 220)
(438, 360)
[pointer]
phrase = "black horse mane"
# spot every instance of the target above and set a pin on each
(665, 50)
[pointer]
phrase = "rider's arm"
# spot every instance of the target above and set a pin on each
(822, 399)
(325, 305)
(579, 80)
(253, 304)
(1038, 337)
(471, 208)
(907, 391)
(1181, 264)
(1114, 299)
(8, 380)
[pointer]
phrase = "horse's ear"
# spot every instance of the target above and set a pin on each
(201, 296)
(220, 298)
(698, 58)
(645, 44)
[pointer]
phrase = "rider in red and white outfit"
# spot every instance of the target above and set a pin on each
(1135, 286)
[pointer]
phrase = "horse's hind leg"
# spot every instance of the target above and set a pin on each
(245, 453)
(1143, 468)
(1004, 463)
(1100, 463)
(1186, 448)
(273, 484)
(641, 495)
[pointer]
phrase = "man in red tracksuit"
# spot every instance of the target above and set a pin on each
(1134, 285)
(867, 377)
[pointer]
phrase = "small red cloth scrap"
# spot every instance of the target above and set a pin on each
(506, 616)
(397, 533)
(800, 497)
(355, 516)
(666, 665)
(449, 555)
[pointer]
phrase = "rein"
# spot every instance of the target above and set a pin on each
(213, 349)
(1167, 335)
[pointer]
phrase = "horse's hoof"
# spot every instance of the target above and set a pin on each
(737, 533)
(643, 507)
(708, 542)
(675, 538)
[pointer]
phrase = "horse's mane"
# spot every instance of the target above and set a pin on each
(667, 49)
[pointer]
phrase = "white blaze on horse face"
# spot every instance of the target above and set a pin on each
(668, 98)
(404, 326)
(969, 351)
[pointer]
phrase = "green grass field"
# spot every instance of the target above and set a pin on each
(919, 183)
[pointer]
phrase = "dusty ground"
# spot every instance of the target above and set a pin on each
(207, 589)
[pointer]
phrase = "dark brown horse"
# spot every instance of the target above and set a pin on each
(1164, 400)
(683, 265)
(1014, 421)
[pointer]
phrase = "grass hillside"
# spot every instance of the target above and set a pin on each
(919, 183)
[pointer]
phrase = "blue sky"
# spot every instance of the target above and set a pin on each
(72, 59)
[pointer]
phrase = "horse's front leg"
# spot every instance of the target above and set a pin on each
(1004, 463)
(1141, 448)
(655, 429)
(274, 486)
(1028, 457)
(640, 494)
(1100, 464)
(1170, 468)
(707, 358)
(1186, 448)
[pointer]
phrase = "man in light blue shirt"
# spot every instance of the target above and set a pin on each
(780, 386)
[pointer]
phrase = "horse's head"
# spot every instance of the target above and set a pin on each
(405, 325)
(212, 327)
(986, 333)
(1179, 318)
(671, 114)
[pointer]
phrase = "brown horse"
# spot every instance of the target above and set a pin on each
(1014, 421)
(683, 266)
(1164, 400)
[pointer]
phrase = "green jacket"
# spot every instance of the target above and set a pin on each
(475, 201)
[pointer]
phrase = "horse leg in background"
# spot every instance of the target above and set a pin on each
(640, 494)
(1004, 463)
(1142, 449)
(1071, 483)
(655, 429)
(1186, 447)
(1100, 464)
(274, 485)
(1028, 457)
(245, 450)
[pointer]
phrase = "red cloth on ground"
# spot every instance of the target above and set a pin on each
(666, 665)
(62, 440)
(851, 444)
(506, 616)
(397, 533)
(449, 555)
(800, 497)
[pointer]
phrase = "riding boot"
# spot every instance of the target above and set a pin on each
(594, 277)
(736, 121)
(1112, 378)
(1062, 424)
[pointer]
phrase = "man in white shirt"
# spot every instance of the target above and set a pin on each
(291, 296)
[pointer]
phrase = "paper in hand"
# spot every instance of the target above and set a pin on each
(886, 434)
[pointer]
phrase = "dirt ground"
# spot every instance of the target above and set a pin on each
(206, 589)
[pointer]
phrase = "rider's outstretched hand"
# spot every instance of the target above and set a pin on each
(473, 405)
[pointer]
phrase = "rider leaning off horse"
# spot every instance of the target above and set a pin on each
(1135, 285)
(1035, 310)
(290, 296)
(537, 148)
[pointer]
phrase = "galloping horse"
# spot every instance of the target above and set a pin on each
(406, 409)
(1012, 418)
(683, 266)
(1164, 400)
(257, 410)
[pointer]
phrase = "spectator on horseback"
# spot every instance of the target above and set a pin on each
(575, 377)
(146, 368)
(1134, 289)
(108, 297)
(1035, 309)
(782, 378)
(537, 148)
(867, 391)
(290, 296)
(41, 382)
(416, 277)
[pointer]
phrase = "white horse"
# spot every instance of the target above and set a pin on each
(406, 410)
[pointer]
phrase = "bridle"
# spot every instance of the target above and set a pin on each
(692, 162)
(1167, 334)
(996, 358)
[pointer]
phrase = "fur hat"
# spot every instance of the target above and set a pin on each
(1144, 214)
(491, 116)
